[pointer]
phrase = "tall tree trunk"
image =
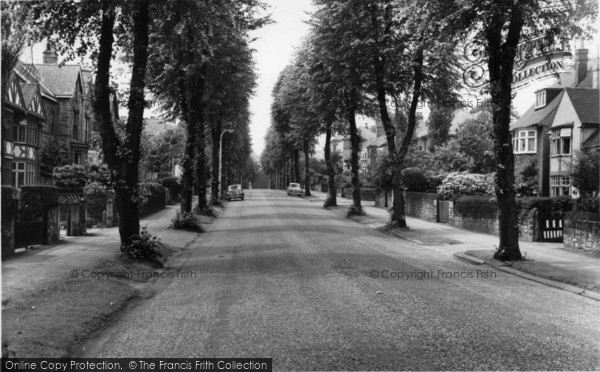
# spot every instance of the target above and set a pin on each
(126, 192)
(296, 162)
(332, 192)
(187, 164)
(306, 146)
(198, 118)
(398, 214)
(215, 132)
(379, 64)
(500, 66)
(355, 148)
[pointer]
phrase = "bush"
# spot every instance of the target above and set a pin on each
(466, 184)
(170, 183)
(10, 199)
(354, 211)
(144, 247)
(588, 204)
(413, 179)
(94, 187)
(186, 221)
(208, 210)
(40, 196)
(70, 176)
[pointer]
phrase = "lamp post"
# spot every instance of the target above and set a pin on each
(221, 156)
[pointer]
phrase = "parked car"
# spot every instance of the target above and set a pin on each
(294, 189)
(235, 192)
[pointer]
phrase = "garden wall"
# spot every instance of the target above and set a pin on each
(476, 215)
(422, 205)
(366, 194)
(581, 231)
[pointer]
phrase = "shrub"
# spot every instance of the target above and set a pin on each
(413, 179)
(70, 176)
(170, 183)
(208, 210)
(562, 203)
(186, 221)
(38, 196)
(585, 171)
(94, 187)
(10, 199)
(144, 247)
(588, 204)
(466, 184)
(354, 211)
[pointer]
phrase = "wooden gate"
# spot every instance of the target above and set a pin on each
(552, 229)
(30, 227)
(443, 211)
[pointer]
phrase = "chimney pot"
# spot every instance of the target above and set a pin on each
(50, 57)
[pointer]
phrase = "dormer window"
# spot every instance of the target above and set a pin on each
(540, 99)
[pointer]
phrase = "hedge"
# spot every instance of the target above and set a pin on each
(10, 199)
(35, 197)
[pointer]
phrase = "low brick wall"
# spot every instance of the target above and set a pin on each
(366, 194)
(384, 198)
(581, 231)
(484, 219)
(421, 205)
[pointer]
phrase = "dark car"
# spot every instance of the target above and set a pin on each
(235, 192)
(294, 189)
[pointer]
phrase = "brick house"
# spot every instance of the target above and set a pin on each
(342, 145)
(534, 140)
(576, 126)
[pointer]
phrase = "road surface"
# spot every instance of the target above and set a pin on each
(283, 278)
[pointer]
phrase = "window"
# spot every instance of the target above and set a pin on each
(8, 122)
(540, 99)
(524, 142)
(23, 173)
(75, 124)
(560, 142)
(363, 155)
(560, 186)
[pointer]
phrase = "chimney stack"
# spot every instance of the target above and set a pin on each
(50, 55)
(581, 65)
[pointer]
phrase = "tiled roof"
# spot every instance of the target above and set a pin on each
(543, 116)
(593, 141)
(585, 102)
(59, 80)
(378, 142)
(28, 91)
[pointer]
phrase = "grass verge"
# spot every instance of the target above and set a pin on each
(53, 321)
(543, 270)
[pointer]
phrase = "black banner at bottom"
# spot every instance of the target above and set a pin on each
(138, 364)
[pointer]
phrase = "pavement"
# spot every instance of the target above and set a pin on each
(36, 269)
(462, 242)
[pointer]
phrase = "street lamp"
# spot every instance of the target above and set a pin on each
(221, 156)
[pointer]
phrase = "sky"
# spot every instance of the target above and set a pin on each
(275, 48)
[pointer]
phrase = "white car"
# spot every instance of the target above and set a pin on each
(294, 189)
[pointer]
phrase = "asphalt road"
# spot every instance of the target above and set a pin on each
(283, 278)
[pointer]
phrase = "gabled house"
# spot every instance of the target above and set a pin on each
(65, 102)
(23, 116)
(543, 137)
(576, 126)
(342, 145)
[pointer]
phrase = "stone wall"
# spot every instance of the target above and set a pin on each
(421, 205)
(366, 194)
(529, 227)
(581, 231)
(480, 217)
